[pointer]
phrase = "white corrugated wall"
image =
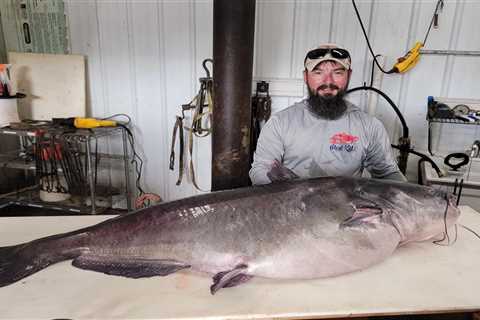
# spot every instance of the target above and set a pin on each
(144, 58)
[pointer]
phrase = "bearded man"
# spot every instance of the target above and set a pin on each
(323, 135)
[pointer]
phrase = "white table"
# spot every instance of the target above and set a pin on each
(418, 278)
(470, 180)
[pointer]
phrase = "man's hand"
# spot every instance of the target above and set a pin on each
(279, 172)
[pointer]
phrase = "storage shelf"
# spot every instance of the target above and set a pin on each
(451, 121)
(34, 131)
(30, 132)
(12, 159)
(31, 198)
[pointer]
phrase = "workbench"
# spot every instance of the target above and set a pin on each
(419, 278)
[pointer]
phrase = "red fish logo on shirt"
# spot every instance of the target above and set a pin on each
(343, 138)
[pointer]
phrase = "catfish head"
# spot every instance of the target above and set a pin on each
(417, 212)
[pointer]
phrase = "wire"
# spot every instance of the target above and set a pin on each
(467, 228)
(368, 41)
(136, 160)
(435, 13)
(120, 115)
(445, 233)
(373, 70)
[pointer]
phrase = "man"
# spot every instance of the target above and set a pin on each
(323, 135)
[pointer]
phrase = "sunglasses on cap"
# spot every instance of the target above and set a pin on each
(336, 53)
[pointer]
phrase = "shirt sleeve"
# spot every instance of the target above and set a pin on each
(379, 160)
(270, 147)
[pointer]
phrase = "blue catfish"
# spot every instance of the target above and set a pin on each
(300, 229)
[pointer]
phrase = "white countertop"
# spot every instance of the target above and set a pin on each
(471, 178)
(417, 278)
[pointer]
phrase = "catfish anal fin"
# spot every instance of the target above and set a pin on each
(130, 267)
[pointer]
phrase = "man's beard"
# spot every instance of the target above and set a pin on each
(330, 107)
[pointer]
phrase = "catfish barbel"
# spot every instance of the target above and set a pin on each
(301, 229)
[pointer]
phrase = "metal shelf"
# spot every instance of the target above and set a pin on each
(452, 121)
(16, 160)
(13, 160)
(431, 121)
(30, 197)
(36, 130)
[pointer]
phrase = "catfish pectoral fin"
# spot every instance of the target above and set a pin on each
(363, 214)
(130, 267)
(231, 278)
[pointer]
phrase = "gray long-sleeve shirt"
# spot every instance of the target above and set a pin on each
(311, 146)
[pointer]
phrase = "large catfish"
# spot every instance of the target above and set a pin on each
(299, 229)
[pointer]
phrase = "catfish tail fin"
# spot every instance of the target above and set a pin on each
(20, 261)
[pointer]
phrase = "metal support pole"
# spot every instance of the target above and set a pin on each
(233, 40)
(451, 52)
(90, 173)
(127, 171)
(429, 138)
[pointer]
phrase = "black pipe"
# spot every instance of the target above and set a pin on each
(233, 40)
(404, 141)
(394, 106)
(423, 157)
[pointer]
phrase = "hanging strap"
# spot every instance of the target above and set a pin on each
(202, 106)
(178, 127)
(204, 91)
(198, 104)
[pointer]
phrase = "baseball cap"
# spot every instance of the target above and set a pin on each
(327, 52)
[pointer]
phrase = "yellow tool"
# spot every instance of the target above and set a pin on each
(88, 123)
(84, 123)
(409, 60)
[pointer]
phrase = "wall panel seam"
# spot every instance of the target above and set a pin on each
(404, 80)
(162, 77)
(192, 26)
(452, 45)
(367, 53)
(67, 11)
(101, 61)
(132, 61)
(292, 43)
(330, 30)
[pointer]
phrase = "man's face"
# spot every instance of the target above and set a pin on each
(327, 79)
